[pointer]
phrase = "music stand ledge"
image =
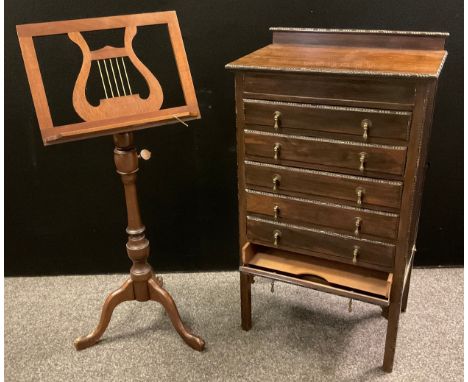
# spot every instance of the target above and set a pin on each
(118, 116)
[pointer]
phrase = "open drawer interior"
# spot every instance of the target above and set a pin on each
(318, 271)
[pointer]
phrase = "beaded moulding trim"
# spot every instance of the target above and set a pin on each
(371, 31)
(326, 107)
(319, 203)
(325, 173)
(325, 140)
(320, 231)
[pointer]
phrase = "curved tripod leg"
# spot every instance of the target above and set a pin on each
(158, 294)
(124, 293)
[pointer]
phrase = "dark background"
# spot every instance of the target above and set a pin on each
(64, 206)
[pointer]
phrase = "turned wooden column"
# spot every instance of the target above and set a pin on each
(126, 163)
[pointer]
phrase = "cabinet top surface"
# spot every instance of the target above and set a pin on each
(387, 53)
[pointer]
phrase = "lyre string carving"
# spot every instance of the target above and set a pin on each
(119, 98)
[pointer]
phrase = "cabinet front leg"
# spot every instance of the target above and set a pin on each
(246, 300)
(392, 330)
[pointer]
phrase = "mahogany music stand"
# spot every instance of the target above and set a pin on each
(120, 112)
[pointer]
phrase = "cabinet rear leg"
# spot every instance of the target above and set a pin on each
(404, 302)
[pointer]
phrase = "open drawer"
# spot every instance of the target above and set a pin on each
(325, 275)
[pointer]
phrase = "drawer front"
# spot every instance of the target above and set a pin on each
(358, 191)
(360, 158)
(355, 221)
(334, 89)
(369, 254)
(362, 123)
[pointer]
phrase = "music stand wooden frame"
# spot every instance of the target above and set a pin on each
(142, 284)
(56, 134)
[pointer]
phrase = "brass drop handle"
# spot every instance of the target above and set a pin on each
(276, 237)
(357, 226)
(276, 182)
(362, 161)
(276, 212)
(276, 118)
(360, 195)
(365, 124)
(276, 151)
(355, 254)
(145, 154)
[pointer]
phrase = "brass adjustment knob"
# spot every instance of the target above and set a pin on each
(362, 161)
(365, 124)
(276, 212)
(357, 226)
(355, 254)
(276, 119)
(360, 195)
(276, 151)
(276, 182)
(145, 154)
(276, 237)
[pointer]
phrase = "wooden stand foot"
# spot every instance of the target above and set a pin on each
(159, 294)
(124, 293)
(246, 300)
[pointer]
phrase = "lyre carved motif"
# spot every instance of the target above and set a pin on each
(115, 104)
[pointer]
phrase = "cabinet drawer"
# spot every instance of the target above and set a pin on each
(306, 240)
(357, 157)
(330, 89)
(361, 123)
(358, 191)
(356, 221)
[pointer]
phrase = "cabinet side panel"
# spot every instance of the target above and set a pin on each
(412, 184)
(421, 174)
(239, 82)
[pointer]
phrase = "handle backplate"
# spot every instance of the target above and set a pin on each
(365, 124)
(357, 226)
(276, 212)
(355, 254)
(276, 119)
(276, 182)
(276, 237)
(276, 151)
(360, 195)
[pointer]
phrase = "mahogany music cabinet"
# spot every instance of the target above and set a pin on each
(332, 137)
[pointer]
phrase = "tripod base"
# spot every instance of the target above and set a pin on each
(150, 289)
(142, 284)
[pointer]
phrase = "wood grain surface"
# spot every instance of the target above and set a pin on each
(343, 59)
(313, 212)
